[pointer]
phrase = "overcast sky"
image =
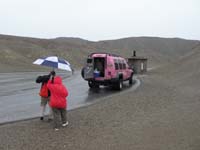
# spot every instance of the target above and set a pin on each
(100, 19)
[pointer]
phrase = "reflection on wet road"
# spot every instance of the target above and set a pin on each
(19, 97)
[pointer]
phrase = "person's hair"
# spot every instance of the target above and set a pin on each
(53, 73)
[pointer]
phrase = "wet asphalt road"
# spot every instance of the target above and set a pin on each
(19, 97)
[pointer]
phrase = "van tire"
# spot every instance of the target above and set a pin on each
(118, 85)
(131, 80)
(92, 84)
(82, 72)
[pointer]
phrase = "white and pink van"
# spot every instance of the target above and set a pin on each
(106, 69)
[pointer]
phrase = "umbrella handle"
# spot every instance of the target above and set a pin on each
(52, 80)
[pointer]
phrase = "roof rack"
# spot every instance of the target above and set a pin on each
(109, 54)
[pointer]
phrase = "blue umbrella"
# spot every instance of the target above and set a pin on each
(54, 62)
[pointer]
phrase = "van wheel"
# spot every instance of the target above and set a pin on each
(118, 85)
(82, 72)
(92, 84)
(131, 80)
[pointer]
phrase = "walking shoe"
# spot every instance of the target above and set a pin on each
(65, 124)
(56, 129)
(41, 118)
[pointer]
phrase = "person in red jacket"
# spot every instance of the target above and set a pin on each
(58, 101)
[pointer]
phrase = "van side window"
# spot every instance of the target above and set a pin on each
(120, 64)
(116, 64)
(124, 64)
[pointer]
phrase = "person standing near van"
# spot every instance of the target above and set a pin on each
(58, 101)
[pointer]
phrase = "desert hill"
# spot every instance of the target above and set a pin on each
(18, 53)
(187, 70)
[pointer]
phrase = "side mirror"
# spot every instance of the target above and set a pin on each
(89, 60)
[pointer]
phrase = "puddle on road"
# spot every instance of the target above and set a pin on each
(94, 95)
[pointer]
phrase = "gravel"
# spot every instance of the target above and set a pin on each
(156, 116)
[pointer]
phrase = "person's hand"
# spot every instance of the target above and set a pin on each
(53, 73)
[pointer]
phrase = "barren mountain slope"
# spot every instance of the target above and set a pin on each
(158, 50)
(18, 53)
(184, 73)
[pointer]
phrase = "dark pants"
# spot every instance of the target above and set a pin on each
(59, 113)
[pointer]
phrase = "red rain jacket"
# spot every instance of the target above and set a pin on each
(44, 91)
(58, 93)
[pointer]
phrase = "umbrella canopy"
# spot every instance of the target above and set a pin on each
(54, 62)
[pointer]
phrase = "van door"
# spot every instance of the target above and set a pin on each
(99, 65)
(89, 69)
